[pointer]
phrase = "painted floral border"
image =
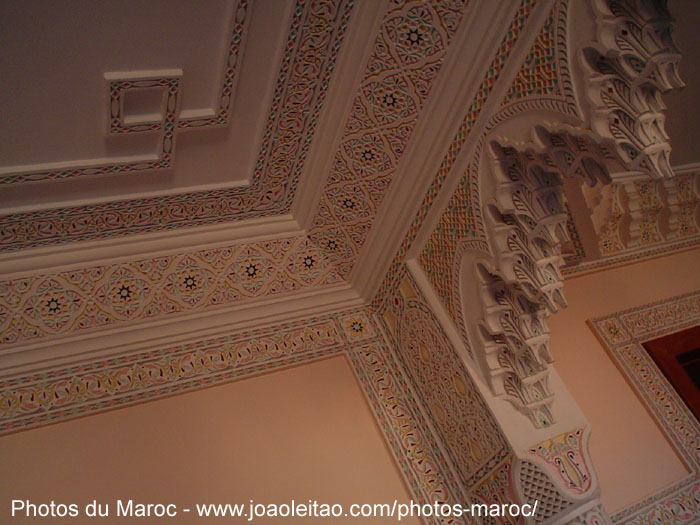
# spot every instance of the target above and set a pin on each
(69, 392)
(622, 335)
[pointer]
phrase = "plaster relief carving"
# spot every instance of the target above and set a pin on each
(522, 284)
(640, 212)
(167, 122)
(565, 454)
(633, 62)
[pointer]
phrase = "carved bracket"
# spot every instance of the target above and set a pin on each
(632, 63)
(522, 284)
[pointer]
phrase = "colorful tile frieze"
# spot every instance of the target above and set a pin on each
(390, 399)
(85, 299)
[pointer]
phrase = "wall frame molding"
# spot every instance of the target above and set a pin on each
(622, 334)
(157, 371)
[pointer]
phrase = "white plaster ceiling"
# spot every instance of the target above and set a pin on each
(54, 100)
(372, 118)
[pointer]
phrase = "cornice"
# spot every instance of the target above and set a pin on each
(630, 257)
(142, 335)
(62, 257)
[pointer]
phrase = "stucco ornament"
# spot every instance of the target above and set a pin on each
(522, 284)
(632, 63)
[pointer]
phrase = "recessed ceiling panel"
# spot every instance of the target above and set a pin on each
(103, 100)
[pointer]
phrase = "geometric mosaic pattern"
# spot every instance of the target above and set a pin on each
(538, 74)
(89, 298)
(622, 335)
(438, 256)
(499, 60)
(313, 41)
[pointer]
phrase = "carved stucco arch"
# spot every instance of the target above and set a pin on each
(564, 137)
(498, 272)
(508, 280)
(601, 93)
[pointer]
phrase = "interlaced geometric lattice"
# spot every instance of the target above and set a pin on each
(536, 486)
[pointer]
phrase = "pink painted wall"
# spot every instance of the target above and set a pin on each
(301, 433)
(631, 456)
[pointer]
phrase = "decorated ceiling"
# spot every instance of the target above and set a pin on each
(290, 163)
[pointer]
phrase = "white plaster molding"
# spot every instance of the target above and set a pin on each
(638, 214)
(166, 123)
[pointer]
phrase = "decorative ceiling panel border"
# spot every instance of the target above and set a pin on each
(66, 393)
(403, 65)
(313, 42)
(90, 298)
(170, 122)
(394, 274)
